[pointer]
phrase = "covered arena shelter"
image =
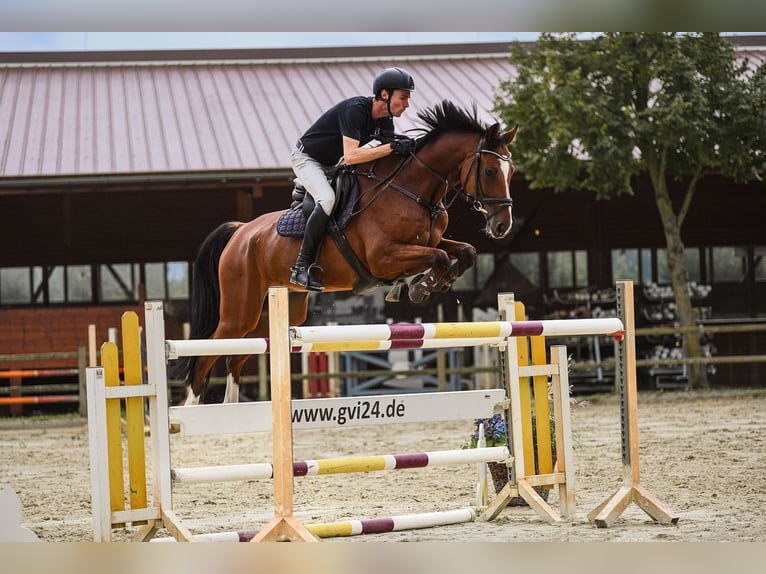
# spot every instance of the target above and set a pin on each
(114, 166)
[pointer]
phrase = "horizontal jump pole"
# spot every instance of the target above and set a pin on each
(397, 336)
(354, 527)
(260, 346)
(478, 329)
(387, 344)
(337, 412)
(237, 472)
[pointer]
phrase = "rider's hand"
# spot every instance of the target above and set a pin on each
(403, 146)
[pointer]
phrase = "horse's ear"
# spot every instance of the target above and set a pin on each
(510, 135)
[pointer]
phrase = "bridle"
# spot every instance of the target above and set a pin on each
(477, 203)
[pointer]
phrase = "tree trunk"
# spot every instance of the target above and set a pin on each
(680, 281)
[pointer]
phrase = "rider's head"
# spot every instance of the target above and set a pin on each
(389, 80)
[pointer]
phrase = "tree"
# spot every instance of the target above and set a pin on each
(595, 114)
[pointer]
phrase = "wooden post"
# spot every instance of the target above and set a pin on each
(441, 357)
(306, 392)
(630, 491)
(92, 352)
(111, 363)
(134, 412)
(263, 379)
(154, 321)
(284, 526)
(82, 364)
(333, 370)
(563, 431)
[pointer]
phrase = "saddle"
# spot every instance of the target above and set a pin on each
(292, 223)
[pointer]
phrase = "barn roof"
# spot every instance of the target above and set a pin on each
(216, 111)
(74, 116)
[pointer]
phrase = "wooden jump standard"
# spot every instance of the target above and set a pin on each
(630, 491)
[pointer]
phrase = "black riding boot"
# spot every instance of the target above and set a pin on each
(305, 273)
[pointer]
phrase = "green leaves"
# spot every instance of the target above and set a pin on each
(595, 113)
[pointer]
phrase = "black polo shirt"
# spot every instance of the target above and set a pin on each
(351, 118)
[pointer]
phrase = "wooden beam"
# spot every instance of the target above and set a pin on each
(284, 526)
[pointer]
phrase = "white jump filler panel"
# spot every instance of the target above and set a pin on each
(338, 412)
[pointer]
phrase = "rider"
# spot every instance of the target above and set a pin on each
(343, 134)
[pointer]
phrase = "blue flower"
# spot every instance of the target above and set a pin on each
(494, 432)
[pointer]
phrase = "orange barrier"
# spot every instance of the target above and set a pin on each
(38, 373)
(48, 399)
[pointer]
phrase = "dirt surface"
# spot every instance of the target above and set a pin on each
(701, 453)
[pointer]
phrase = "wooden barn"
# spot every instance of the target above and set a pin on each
(114, 166)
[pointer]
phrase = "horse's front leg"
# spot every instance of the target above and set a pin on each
(464, 256)
(403, 259)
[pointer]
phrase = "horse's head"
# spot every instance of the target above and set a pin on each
(486, 177)
(476, 159)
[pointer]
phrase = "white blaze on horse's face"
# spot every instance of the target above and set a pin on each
(505, 167)
(498, 215)
(503, 219)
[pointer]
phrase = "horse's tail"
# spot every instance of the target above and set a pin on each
(206, 290)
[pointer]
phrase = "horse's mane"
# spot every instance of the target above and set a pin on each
(447, 117)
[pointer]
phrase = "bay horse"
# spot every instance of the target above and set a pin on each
(396, 233)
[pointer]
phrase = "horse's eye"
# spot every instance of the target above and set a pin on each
(489, 171)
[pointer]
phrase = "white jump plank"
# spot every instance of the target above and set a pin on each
(338, 412)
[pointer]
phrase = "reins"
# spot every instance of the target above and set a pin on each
(477, 203)
(386, 182)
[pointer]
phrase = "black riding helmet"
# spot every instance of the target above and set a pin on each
(392, 79)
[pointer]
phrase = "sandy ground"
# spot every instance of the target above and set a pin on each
(701, 453)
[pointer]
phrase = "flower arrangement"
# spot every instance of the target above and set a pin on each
(494, 432)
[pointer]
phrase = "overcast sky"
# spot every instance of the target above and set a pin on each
(64, 41)
(61, 41)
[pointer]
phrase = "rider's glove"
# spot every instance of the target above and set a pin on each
(403, 146)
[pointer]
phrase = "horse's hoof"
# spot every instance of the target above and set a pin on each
(175, 428)
(395, 294)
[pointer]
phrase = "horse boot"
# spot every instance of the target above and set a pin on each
(305, 272)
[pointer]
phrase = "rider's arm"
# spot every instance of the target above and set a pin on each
(353, 154)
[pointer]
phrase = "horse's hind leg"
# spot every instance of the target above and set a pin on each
(234, 364)
(199, 374)
(202, 366)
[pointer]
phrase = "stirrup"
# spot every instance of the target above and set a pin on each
(310, 278)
